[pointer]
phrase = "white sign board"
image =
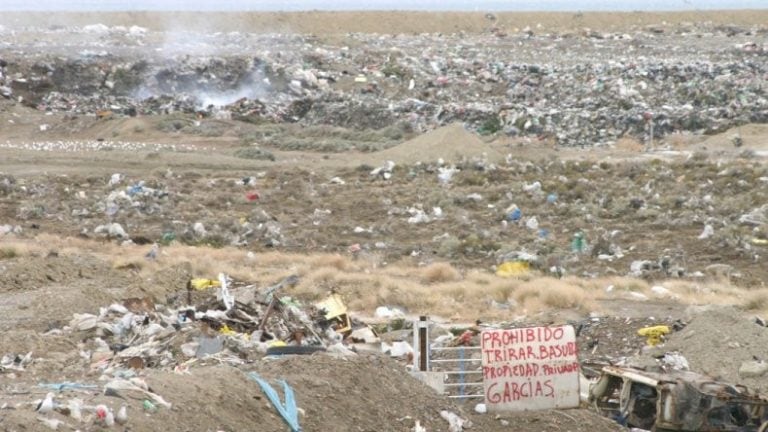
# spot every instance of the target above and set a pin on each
(533, 368)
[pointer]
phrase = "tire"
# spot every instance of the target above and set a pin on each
(293, 350)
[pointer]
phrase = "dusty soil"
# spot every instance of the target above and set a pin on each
(369, 393)
(330, 23)
(715, 331)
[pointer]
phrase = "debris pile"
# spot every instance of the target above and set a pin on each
(233, 325)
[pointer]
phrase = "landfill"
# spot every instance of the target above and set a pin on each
(212, 221)
(588, 88)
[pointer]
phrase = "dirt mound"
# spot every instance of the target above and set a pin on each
(394, 400)
(30, 273)
(328, 394)
(451, 143)
(752, 138)
(165, 284)
(41, 293)
(717, 340)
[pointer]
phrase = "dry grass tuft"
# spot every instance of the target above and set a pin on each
(338, 262)
(8, 252)
(129, 263)
(439, 272)
(524, 294)
(545, 292)
(756, 300)
(438, 290)
(503, 290)
(564, 296)
(15, 249)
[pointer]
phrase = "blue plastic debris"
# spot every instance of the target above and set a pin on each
(67, 386)
(288, 411)
(514, 215)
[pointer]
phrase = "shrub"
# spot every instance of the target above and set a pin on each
(254, 153)
(440, 272)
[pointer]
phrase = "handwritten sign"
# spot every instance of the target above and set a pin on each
(531, 368)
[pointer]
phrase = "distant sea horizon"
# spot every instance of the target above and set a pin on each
(385, 5)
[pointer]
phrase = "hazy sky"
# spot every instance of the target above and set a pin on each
(272, 5)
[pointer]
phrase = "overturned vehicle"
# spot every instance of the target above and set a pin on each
(677, 401)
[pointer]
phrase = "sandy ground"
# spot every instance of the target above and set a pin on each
(330, 23)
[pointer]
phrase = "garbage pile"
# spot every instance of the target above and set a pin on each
(700, 80)
(215, 319)
(212, 321)
(5, 90)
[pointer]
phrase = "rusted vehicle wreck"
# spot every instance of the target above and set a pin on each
(677, 401)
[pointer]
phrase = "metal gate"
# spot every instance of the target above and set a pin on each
(453, 371)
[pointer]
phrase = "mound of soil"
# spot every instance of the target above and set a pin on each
(717, 340)
(451, 143)
(365, 393)
(30, 273)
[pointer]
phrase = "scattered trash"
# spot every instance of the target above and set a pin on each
(444, 175)
(149, 406)
(209, 346)
(578, 244)
(113, 230)
(201, 284)
(364, 335)
(675, 361)
(532, 223)
(417, 216)
(60, 387)
(397, 349)
(384, 171)
(13, 362)
(455, 423)
(335, 313)
(514, 214)
(513, 268)
(105, 415)
(629, 97)
(46, 405)
(532, 188)
(708, 232)
(660, 291)
(387, 312)
(122, 415)
(654, 335)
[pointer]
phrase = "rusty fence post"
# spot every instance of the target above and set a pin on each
(423, 329)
